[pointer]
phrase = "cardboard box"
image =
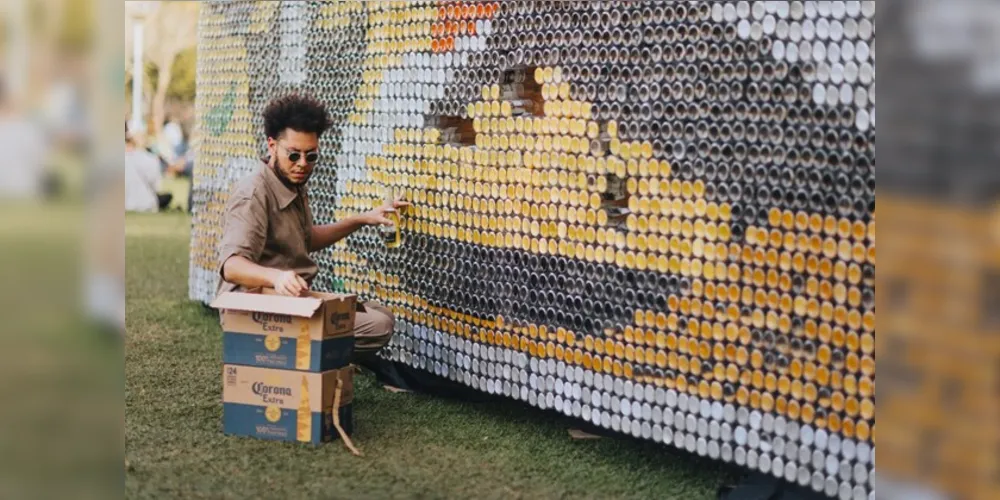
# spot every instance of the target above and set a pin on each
(285, 405)
(313, 333)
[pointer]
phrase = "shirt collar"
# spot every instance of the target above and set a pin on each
(283, 193)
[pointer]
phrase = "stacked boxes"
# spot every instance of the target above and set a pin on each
(284, 358)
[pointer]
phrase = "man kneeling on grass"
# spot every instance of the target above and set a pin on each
(268, 228)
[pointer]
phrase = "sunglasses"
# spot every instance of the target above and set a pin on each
(295, 156)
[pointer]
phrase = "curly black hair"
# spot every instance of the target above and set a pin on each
(301, 113)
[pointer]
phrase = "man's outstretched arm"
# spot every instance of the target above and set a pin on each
(326, 235)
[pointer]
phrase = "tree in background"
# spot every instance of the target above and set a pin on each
(171, 29)
(182, 82)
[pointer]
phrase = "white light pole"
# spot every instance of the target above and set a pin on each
(138, 123)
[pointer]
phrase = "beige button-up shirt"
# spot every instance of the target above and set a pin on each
(268, 223)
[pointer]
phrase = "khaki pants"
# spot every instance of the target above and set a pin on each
(372, 331)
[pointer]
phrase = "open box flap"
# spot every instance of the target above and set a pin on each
(304, 307)
(331, 296)
(358, 305)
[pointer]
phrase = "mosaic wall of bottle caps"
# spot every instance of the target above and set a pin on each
(657, 217)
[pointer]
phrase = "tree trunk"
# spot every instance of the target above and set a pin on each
(160, 97)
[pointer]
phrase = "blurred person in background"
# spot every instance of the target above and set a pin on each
(177, 154)
(24, 172)
(143, 179)
(170, 144)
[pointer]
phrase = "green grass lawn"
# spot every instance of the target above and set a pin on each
(414, 445)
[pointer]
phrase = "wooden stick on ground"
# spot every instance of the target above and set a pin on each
(579, 434)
